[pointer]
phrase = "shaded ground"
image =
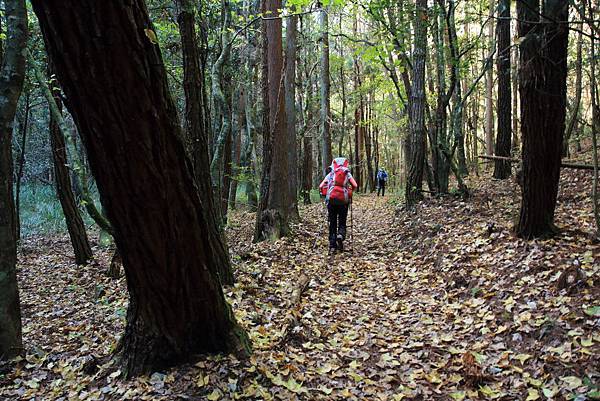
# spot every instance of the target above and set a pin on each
(439, 303)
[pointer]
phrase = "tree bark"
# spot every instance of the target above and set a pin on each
(222, 112)
(64, 191)
(416, 150)
(196, 129)
(307, 169)
(439, 137)
(272, 217)
(542, 87)
(489, 91)
(227, 168)
(137, 153)
(12, 75)
(325, 89)
(595, 124)
(571, 126)
(290, 113)
(23, 130)
(237, 149)
(503, 132)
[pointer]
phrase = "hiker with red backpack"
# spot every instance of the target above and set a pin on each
(339, 184)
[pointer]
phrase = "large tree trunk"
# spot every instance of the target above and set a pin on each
(12, 76)
(415, 151)
(64, 191)
(272, 217)
(542, 81)
(137, 154)
(290, 113)
(503, 133)
(327, 154)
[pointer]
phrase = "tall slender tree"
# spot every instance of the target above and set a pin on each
(291, 54)
(542, 86)
(138, 156)
(273, 214)
(415, 151)
(196, 135)
(503, 131)
(489, 89)
(64, 190)
(573, 119)
(12, 75)
(325, 84)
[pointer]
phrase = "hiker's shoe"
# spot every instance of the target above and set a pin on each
(332, 250)
(340, 242)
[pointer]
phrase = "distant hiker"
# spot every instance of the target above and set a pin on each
(339, 184)
(382, 177)
(323, 188)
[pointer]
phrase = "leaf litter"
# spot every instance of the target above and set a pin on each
(438, 303)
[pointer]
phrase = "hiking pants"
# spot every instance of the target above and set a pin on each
(337, 222)
(381, 188)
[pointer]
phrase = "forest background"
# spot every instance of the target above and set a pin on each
(248, 102)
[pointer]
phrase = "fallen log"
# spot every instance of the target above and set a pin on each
(299, 289)
(577, 166)
(292, 315)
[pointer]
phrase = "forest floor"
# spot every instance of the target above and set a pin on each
(438, 303)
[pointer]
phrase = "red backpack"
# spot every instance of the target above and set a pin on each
(338, 192)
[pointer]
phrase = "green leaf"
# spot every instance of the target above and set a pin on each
(572, 381)
(593, 311)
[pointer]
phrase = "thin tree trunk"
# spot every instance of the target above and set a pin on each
(222, 111)
(23, 128)
(237, 149)
(290, 113)
(136, 152)
(368, 146)
(595, 124)
(325, 89)
(250, 165)
(227, 169)
(197, 129)
(75, 226)
(503, 138)
(489, 90)
(572, 124)
(416, 149)
(515, 100)
(12, 75)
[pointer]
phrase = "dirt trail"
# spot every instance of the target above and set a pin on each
(441, 303)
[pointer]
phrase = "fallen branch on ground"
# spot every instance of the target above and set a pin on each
(576, 166)
(291, 318)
